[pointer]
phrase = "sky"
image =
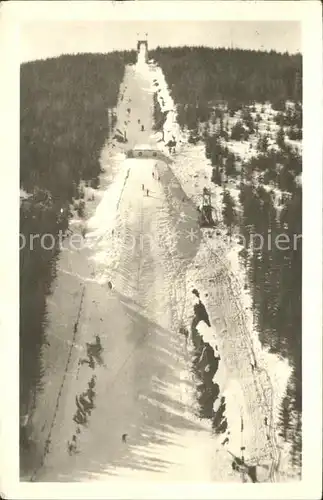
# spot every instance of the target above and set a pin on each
(42, 39)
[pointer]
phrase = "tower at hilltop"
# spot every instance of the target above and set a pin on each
(142, 47)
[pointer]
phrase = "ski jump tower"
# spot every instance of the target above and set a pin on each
(142, 48)
(206, 219)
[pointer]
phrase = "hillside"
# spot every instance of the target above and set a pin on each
(242, 110)
(201, 76)
(66, 116)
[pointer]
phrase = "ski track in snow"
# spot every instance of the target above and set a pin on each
(154, 281)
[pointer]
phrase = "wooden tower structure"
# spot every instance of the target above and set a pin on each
(206, 219)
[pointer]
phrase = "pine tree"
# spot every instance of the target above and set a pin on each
(262, 144)
(216, 176)
(230, 168)
(280, 139)
(247, 118)
(238, 131)
(228, 212)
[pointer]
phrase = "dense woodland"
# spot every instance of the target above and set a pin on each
(200, 77)
(66, 117)
(209, 87)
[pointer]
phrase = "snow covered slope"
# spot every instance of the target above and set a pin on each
(253, 380)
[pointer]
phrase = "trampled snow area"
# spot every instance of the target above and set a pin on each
(119, 398)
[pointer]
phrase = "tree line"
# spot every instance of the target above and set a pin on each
(200, 77)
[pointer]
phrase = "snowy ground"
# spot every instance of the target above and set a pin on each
(139, 391)
(217, 273)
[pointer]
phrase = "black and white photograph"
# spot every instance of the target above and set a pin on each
(160, 301)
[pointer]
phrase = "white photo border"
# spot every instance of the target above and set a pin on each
(309, 13)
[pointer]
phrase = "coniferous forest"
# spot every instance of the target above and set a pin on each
(200, 77)
(228, 97)
(65, 119)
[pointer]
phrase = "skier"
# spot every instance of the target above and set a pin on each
(153, 175)
(142, 187)
(142, 128)
(138, 120)
(147, 192)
